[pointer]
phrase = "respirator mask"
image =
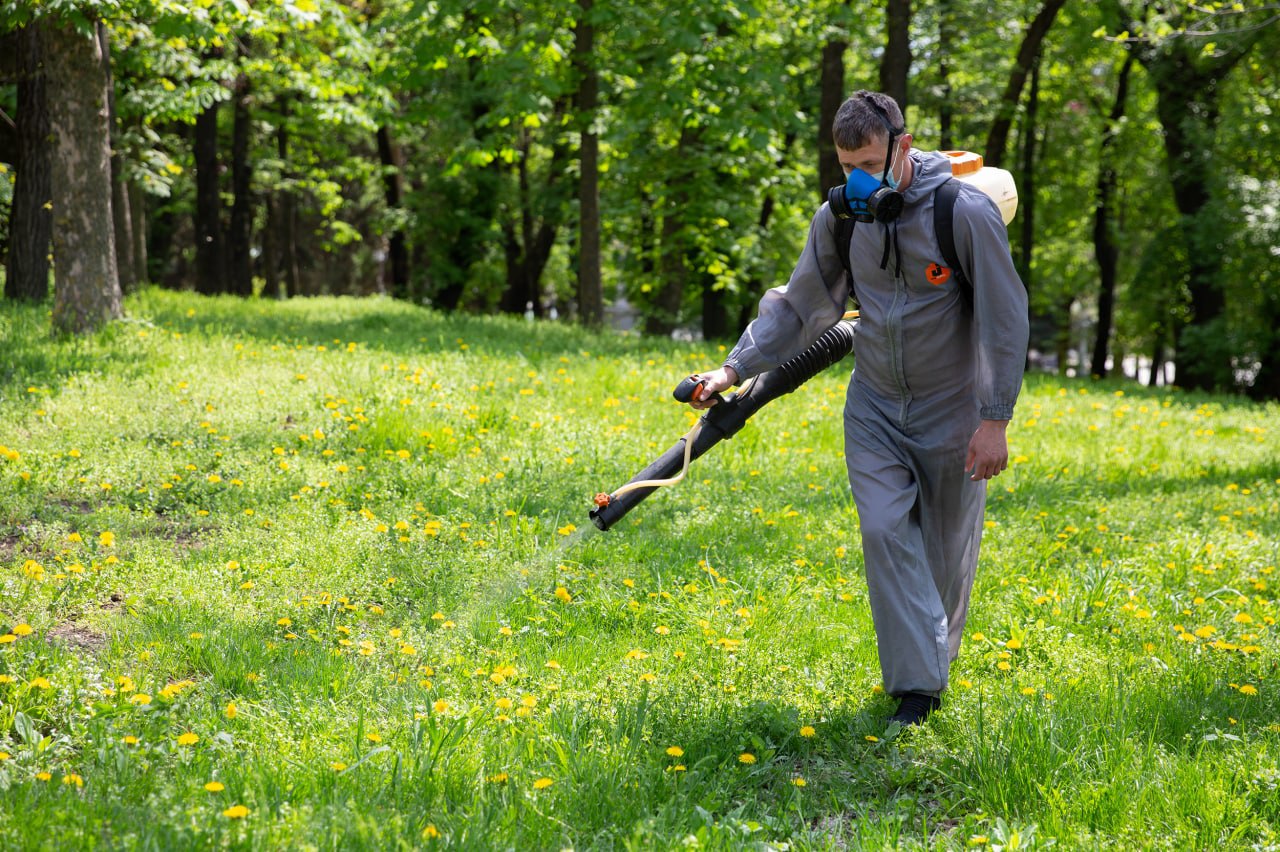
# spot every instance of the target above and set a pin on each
(865, 197)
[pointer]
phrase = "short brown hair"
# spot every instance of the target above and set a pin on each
(857, 122)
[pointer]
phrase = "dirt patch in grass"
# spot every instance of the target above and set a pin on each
(78, 637)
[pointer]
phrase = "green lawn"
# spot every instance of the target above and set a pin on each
(320, 574)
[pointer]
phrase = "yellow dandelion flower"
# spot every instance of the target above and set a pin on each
(214, 787)
(542, 783)
(40, 683)
(337, 766)
(188, 739)
(747, 758)
(4, 755)
(373, 737)
(1240, 618)
(72, 778)
(1248, 689)
(807, 731)
(675, 751)
(799, 782)
(236, 812)
(1013, 644)
(440, 706)
(563, 595)
(130, 740)
(430, 832)
(871, 738)
(22, 630)
(107, 539)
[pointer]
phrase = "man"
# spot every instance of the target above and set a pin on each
(937, 372)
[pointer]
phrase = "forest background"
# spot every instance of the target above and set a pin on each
(627, 161)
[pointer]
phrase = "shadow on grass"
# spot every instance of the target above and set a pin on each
(34, 358)
(380, 324)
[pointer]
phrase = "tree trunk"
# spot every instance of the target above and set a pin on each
(120, 212)
(287, 243)
(998, 135)
(832, 95)
(138, 211)
(1187, 104)
(945, 13)
(31, 219)
(590, 289)
(393, 185)
(1027, 195)
(87, 289)
(541, 211)
(895, 62)
(1104, 243)
(211, 259)
(665, 315)
(240, 233)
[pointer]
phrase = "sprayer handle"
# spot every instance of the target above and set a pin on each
(684, 391)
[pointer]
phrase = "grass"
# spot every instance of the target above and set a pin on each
(319, 574)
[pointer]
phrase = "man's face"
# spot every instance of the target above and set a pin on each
(872, 157)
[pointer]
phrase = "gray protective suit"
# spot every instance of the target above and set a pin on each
(927, 369)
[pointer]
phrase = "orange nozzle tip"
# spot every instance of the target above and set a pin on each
(603, 499)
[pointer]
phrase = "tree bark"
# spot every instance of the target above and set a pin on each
(832, 95)
(1104, 243)
(393, 185)
(998, 135)
(540, 216)
(120, 212)
(590, 289)
(1027, 196)
(211, 260)
(945, 14)
(138, 211)
(895, 62)
(1187, 105)
(87, 289)
(662, 320)
(31, 217)
(240, 232)
(287, 210)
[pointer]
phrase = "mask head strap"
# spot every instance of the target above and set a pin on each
(894, 132)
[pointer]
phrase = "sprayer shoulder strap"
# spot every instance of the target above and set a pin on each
(944, 204)
(844, 241)
(944, 208)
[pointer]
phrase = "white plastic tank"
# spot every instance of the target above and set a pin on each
(997, 183)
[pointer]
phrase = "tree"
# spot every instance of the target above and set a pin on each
(895, 62)
(31, 219)
(1104, 243)
(590, 291)
(1033, 37)
(1187, 55)
(87, 290)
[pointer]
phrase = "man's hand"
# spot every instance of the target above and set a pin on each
(988, 450)
(713, 382)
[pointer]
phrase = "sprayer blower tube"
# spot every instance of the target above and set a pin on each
(727, 418)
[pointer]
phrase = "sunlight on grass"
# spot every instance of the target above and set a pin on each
(321, 573)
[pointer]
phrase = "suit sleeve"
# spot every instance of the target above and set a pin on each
(791, 317)
(1001, 326)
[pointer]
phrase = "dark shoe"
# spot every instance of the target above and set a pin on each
(914, 708)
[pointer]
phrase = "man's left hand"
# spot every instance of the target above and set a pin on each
(988, 450)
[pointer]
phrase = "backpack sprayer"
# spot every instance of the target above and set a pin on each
(723, 420)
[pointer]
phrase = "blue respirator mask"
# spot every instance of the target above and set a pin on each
(865, 197)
